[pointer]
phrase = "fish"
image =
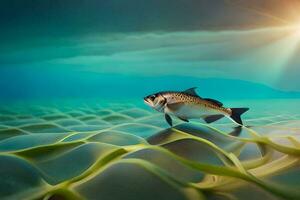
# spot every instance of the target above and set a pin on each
(187, 104)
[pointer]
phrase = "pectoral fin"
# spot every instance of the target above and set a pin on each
(168, 119)
(212, 118)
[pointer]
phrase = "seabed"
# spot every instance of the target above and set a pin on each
(128, 152)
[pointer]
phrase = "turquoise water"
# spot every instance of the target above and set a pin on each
(73, 124)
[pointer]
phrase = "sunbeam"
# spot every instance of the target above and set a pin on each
(274, 58)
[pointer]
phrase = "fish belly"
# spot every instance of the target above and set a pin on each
(195, 111)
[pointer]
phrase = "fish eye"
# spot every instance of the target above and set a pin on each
(152, 97)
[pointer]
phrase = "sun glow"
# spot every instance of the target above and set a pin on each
(297, 27)
(284, 52)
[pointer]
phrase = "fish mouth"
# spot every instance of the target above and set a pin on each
(146, 100)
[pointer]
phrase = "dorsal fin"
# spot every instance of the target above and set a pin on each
(191, 91)
(216, 102)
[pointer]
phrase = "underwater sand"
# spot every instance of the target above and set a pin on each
(115, 151)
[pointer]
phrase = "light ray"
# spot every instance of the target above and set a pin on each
(258, 11)
(274, 58)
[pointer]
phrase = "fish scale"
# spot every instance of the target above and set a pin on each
(188, 104)
(187, 98)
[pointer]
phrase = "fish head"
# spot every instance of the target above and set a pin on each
(156, 101)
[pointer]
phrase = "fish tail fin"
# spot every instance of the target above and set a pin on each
(236, 114)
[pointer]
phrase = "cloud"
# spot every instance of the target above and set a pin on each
(23, 20)
(262, 55)
(258, 55)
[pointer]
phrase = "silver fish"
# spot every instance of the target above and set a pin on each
(188, 104)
